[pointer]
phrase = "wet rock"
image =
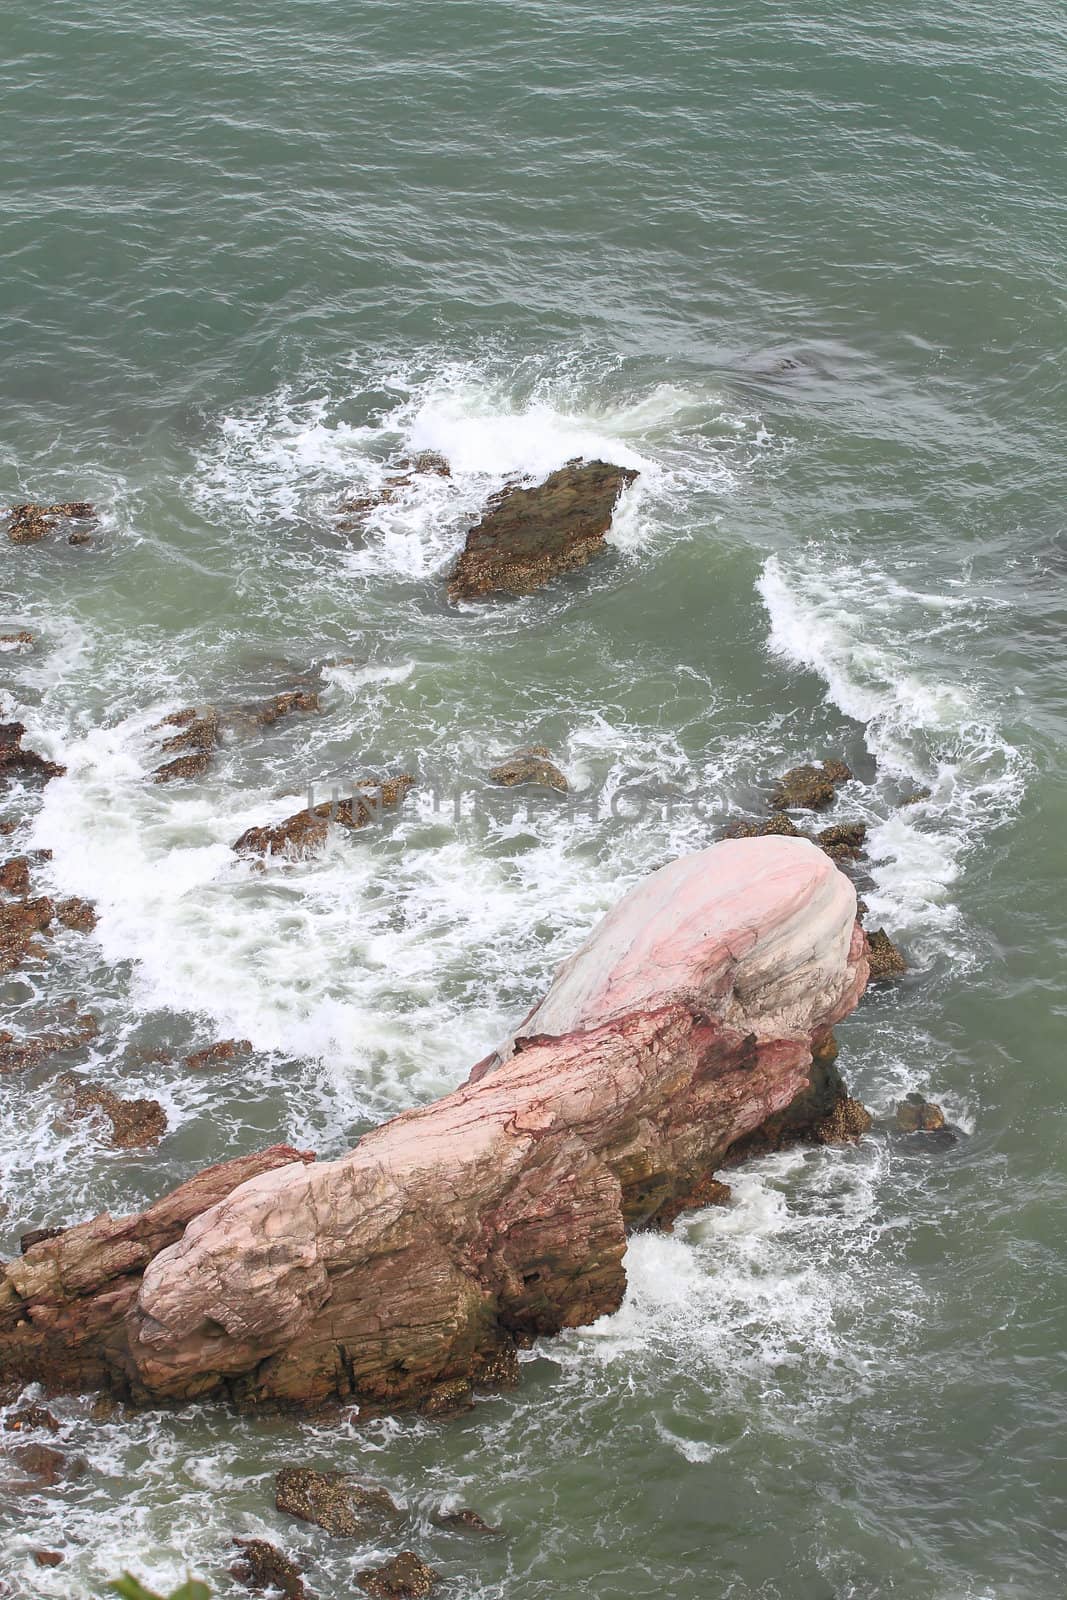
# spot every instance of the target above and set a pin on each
(219, 1054)
(334, 1501)
(916, 1115)
(263, 1566)
(355, 509)
(532, 765)
(79, 538)
(846, 1122)
(405, 1577)
(198, 732)
(38, 1236)
(13, 758)
(15, 875)
(77, 914)
(18, 1054)
(48, 1558)
(193, 766)
(708, 1191)
(134, 1123)
(809, 788)
(15, 641)
(29, 522)
(528, 536)
(464, 1521)
(917, 798)
(266, 712)
(20, 922)
(36, 1466)
(30, 1417)
(763, 828)
(886, 961)
(844, 841)
(308, 830)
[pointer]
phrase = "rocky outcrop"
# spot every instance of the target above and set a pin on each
(809, 788)
(133, 1124)
(696, 1017)
(262, 1566)
(337, 1502)
(14, 759)
(308, 830)
(29, 523)
(532, 765)
(528, 536)
(405, 1577)
(63, 1303)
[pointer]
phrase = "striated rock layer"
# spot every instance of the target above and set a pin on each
(695, 1020)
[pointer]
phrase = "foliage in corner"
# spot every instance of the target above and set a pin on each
(131, 1588)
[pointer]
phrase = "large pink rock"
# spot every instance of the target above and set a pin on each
(695, 1018)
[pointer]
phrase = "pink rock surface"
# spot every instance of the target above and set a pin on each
(697, 1014)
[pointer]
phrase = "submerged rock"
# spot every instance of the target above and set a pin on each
(264, 1566)
(355, 509)
(885, 959)
(809, 788)
(29, 522)
(30, 1418)
(529, 535)
(464, 1520)
(134, 1123)
(218, 1055)
(18, 1054)
(405, 1577)
(533, 765)
(13, 758)
(308, 830)
(334, 1501)
(16, 641)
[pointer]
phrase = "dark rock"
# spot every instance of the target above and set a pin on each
(844, 842)
(529, 535)
(709, 1191)
(266, 712)
(264, 1566)
(308, 830)
(464, 1521)
(14, 759)
(405, 1577)
(532, 765)
(79, 538)
(885, 959)
(193, 766)
(334, 1501)
(198, 732)
(30, 1417)
(134, 1123)
(15, 875)
(77, 914)
(38, 1236)
(916, 1115)
(216, 1055)
(845, 1124)
(809, 788)
(18, 1054)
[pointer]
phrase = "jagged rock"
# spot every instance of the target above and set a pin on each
(17, 1054)
(79, 1283)
(334, 1501)
(30, 1417)
(884, 958)
(197, 732)
(77, 914)
(809, 788)
(847, 1121)
(193, 766)
(14, 759)
(844, 841)
(15, 875)
(532, 765)
(916, 1115)
(529, 535)
(405, 1577)
(134, 1123)
(29, 522)
(264, 1566)
(464, 1521)
(266, 712)
(20, 922)
(217, 1055)
(308, 830)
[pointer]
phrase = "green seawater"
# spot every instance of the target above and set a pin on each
(802, 266)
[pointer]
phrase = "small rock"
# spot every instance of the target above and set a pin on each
(29, 522)
(405, 1577)
(334, 1501)
(885, 959)
(809, 788)
(48, 1558)
(844, 842)
(198, 732)
(215, 1055)
(77, 914)
(38, 1236)
(29, 1417)
(134, 1123)
(193, 766)
(79, 538)
(916, 1115)
(266, 712)
(39, 1466)
(15, 641)
(264, 1566)
(15, 875)
(532, 765)
(357, 508)
(308, 830)
(917, 798)
(18, 1054)
(464, 1521)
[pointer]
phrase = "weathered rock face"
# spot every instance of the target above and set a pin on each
(528, 536)
(697, 1015)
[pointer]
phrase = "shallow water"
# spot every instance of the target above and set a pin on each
(803, 268)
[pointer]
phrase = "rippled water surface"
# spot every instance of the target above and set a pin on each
(803, 267)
